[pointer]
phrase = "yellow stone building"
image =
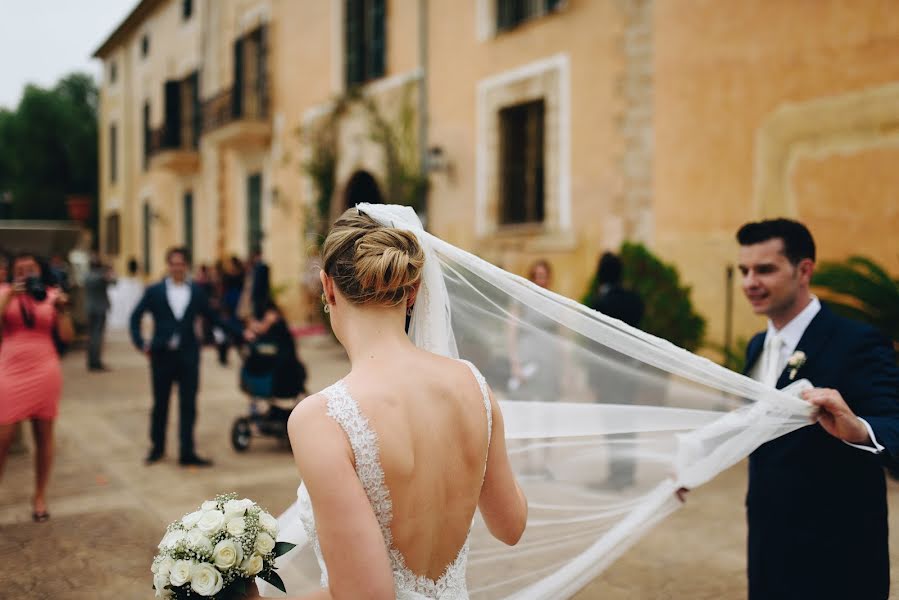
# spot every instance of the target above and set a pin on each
(548, 128)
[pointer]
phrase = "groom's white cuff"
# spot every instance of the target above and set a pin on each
(875, 447)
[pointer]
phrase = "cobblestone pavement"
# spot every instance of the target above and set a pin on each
(109, 510)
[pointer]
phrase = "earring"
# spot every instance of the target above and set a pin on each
(327, 308)
(325, 302)
(409, 311)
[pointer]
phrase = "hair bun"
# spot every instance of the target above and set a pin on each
(370, 263)
(388, 261)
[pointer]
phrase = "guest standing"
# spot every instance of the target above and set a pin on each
(30, 374)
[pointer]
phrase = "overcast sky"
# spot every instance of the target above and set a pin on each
(42, 40)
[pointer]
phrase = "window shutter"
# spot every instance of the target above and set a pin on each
(196, 110)
(171, 132)
(189, 222)
(146, 135)
(261, 74)
(378, 39)
(237, 88)
(352, 45)
(113, 153)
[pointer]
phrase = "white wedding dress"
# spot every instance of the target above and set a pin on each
(614, 400)
(364, 441)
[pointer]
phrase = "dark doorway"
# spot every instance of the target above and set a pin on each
(362, 187)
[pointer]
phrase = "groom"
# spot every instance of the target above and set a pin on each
(174, 351)
(816, 506)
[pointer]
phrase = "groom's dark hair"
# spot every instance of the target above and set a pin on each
(798, 241)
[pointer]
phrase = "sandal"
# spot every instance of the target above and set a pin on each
(40, 517)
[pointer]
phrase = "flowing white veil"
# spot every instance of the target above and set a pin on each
(604, 422)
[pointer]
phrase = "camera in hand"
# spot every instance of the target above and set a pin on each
(35, 288)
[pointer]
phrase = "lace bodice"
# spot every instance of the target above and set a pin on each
(364, 441)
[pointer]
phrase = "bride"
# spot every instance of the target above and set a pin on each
(397, 456)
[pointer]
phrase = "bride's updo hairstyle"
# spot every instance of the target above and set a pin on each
(370, 263)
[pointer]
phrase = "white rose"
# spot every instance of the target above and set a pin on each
(237, 526)
(192, 519)
(234, 508)
(209, 505)
(252, 564)
(163, 566)
(199, 542)
(265, 543)
(227, 554)
(180, 573)
(171, 539)
(159, 583)
(269, 523)
(211, 522)
(205, 580)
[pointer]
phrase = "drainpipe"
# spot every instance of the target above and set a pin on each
(423, 100)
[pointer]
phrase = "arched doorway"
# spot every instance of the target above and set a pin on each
(362, 187)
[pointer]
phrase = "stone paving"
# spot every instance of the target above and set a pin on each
(109, 510)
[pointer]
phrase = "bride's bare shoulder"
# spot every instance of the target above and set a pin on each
(308, 412)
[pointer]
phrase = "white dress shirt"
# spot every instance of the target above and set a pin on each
(767, 368)
(178, 295)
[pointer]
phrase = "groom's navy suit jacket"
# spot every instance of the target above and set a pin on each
(816, 507)
(165, 325)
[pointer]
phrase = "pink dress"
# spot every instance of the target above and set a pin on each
(30, 374)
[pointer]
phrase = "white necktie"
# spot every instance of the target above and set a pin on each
(773, 346)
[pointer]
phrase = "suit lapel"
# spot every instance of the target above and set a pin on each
(816, 335)
(163, 292)
(753, 353)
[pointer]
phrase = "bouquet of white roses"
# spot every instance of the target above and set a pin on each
(217, 550)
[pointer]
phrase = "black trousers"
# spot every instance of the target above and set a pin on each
(96, 326)
(168, 367)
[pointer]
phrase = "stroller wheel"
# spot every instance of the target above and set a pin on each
(241, 434)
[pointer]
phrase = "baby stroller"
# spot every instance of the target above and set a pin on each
(274, 380)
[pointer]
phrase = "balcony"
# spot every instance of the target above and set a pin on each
(239, 120)
(169, 152)
(173, 146)
(238, 116)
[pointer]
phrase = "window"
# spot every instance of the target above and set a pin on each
(365, 40)
(189, 221)
(521, 163)
(250, 97)
(187, 9)
(254, 210)
(147, 135)
(113, 72)
(145, 45)
(113, 153)
(511, 13)
(112, 234)
(147, 220)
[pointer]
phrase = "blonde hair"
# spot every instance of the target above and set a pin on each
(371, 263)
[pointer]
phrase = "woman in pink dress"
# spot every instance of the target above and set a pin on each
(30, 374)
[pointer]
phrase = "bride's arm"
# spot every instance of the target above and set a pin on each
(348, 531)
(503, 505)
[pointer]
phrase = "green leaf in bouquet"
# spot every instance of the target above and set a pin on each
(282, 548)
(274, 579)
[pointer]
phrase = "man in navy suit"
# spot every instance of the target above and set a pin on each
(174, 352)
(816, 506)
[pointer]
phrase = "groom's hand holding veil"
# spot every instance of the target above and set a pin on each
(836, 417)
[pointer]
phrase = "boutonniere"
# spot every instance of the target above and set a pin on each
(795, 362)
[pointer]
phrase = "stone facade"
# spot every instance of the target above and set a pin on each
(670, 123)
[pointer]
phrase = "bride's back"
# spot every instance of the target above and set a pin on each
(430, 418)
